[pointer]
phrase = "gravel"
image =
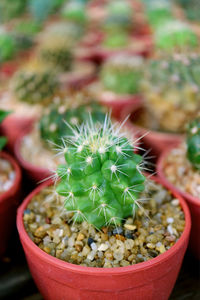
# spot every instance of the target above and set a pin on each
(180, 172)
(137, 240)
(7, 175)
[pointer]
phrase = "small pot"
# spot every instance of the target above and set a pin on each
(35, 173)
(13, 127)
(154, 140)
(9, 201)
(193, 203)
(117, 103)
(56, 279)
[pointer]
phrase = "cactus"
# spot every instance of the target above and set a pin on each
(30, 28)
(175, 34)
(10, 9)
(193, 143)
(75, 11)
(122, 73)
(192, 9)
(101, 180)
(22, 41)
(171, 90)
(158, 12)
(52, 127)
(116, 40)
(56, 53)
(7, 46)
(3, 140)
(40, 10)
(34, 84)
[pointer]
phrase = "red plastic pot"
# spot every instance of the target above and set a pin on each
(35, 173)
(9, 201)
(13, 127)
(117, 103)
(154, 140)
(193, 203)
(150, 280)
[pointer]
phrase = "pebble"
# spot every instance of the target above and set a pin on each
(170, 220)
(93, 246)
(130, 226)
(118, 230)
(80, 236)
(103, 247)
(90, 241)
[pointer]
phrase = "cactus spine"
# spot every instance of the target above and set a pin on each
(101, 180)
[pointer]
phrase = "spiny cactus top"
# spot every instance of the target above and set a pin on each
(193, 143)
(102, 177)
(175, 34)
(75, 11)
(122, 73)
(7, 46)
(34, 84)
(53, 127)
(29, 27)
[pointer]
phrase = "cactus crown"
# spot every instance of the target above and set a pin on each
(178, 70)
(158, 11)
(122, 73)
(34, 84)
(7, 46)
(52, 126)
(193, 143)
(175, 34)
(75, 11)
(101, 180)
(10, 9)
(192, 8)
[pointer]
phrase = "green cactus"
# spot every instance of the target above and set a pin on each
(22, 41)
(74, 11)
(28, 28)
(34, 84)
(175, 34)
(193, 143)
(10, 9)
(158, 12)
(3, 140)
(7, 46)
(101, 180)
(52, 127)
(122, 74)
(117, 40)
(192, 9)
(171, 90)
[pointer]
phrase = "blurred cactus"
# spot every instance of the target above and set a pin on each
(40, 10)
(30, 28)
(171, 90)
(193, 143)
(101, 180)
(7, 46)
(122, 74)
(3, 140)
(10, 9)
(74, 11)
(192, 8)
(52, 126)
(175, 34)
(34, 84)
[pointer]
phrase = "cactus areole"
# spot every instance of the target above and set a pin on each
(101, 180)
(193, 143)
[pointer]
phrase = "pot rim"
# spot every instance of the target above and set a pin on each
(99, 271)
(185, 195)
(11, 191)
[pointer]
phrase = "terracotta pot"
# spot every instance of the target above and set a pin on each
(157, 141)
(193, 203)
(13, 127)
(9, 201)
(117, 103)
(56, 279)
(35, 173)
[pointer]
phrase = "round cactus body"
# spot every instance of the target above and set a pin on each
(7, 47)
(158, 12)
(34, 85)
(116, 41)
(192, 9)
(53, 127)
(175, 34)
(122, 74)
(171, 91)
(30, 28)
(75, 11)
(10, 9)
(193, 143)
(101, 180)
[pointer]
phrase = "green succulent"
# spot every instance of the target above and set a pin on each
(175, 34)
(34, 85)
(115, 41)
(40, 10)
(171, 90)
(10, 9)
(22, 41)
(3, 140)
(75, 11)
(101, 179)
(192, 9)
(193, 143)
(122, 74)
(7, 46)
(29, 27)
(53, 128)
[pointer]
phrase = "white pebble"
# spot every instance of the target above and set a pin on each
(103, 247)
(38, 218)
(170, 220)
(175, 202)
(91, 255)
(93, 246)
(61, 233)
(158, 244)
(170, 229)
